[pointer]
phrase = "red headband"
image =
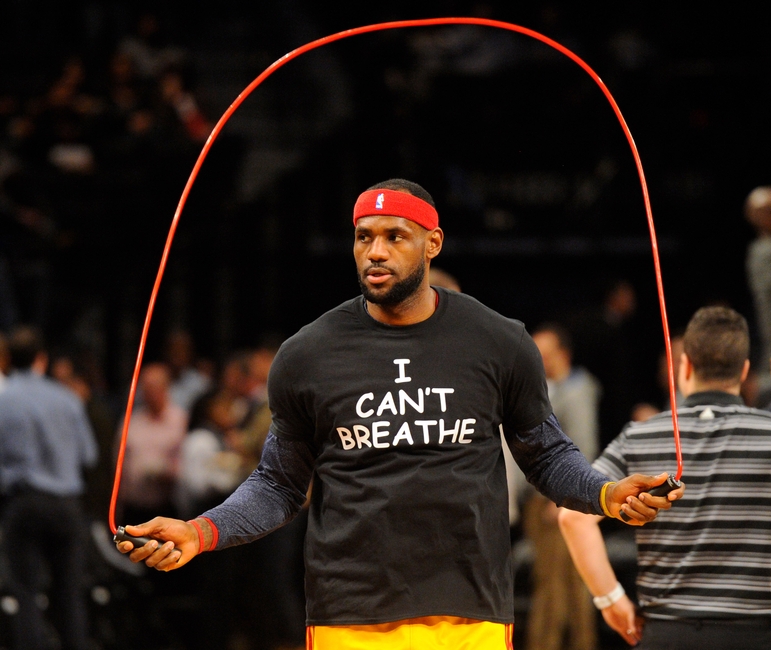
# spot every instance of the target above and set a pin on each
(395, 204)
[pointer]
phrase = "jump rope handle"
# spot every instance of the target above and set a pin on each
(659, 491)
(666, 487)
(122, 536)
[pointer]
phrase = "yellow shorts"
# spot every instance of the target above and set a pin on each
(425, 633)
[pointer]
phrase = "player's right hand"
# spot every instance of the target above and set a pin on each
(622, 617)
(179, 543)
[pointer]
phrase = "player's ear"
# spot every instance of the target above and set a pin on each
(745, 370)
(434, 243)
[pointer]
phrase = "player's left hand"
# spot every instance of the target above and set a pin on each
(630, 497)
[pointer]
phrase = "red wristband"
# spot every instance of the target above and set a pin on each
(201, 549)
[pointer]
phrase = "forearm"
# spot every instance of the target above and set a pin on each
(272, 495)
(557, 468)
(587, 548)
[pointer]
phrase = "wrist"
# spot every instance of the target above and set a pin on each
(206, 538)
(613, 596)
(604, 494)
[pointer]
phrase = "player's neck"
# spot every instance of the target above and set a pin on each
(418, 307)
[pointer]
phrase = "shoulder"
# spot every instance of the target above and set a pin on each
(472, 306)
(750, 417)
(308, 338)
(56, 393)
(475, 314)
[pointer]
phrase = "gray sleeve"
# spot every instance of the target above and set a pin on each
(556, 467)
(272, 495)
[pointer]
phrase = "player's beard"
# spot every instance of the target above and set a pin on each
(399, 291)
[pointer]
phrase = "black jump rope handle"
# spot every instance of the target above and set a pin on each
(122, 536)
(659, 491)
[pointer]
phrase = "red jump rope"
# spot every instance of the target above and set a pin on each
(673, 480)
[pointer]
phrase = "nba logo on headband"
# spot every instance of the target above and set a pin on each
(400, 204)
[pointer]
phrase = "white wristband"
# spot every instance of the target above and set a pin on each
(601, 602)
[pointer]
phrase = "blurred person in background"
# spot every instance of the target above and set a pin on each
(149, 47)
(250, 433)
(7, 300)
(210, 468)
(757, 212)
(181, 104)
(603, 344)
(69, 369)
(5, 361)
(46, 443)
(561, 614)
(156, 431)
(188, 383)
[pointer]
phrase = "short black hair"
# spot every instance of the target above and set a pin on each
(403, 185)
(24, 345)
(717, 341)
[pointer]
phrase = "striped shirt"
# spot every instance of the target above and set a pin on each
(710, 555)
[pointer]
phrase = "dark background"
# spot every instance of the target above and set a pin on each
(534, 179)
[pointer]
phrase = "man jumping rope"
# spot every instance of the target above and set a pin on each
(394, 403)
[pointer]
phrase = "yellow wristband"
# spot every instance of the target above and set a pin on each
(603, 504)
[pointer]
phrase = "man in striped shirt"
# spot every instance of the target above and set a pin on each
(704, 567)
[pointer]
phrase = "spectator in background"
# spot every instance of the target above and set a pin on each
(151, 463)
(210, 469)
(260, 361)
(251, 431)
(69, 370)
(45, 444)
(561, 614)
(177, 96)
(188, 383)
(7, 299)
(229, 426)
(602, 343)
(149, 49)
(238, 383)
(63, 125)
(757, 211)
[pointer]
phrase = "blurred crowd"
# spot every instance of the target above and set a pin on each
(196, 431)
(93, 157)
